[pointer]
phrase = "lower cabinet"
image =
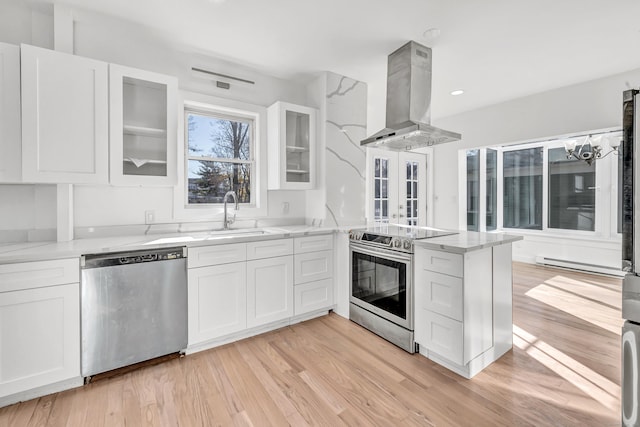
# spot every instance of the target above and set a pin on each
(238, 286)
(39, 337)
(454, 306)
(217, 301)
(269, 290)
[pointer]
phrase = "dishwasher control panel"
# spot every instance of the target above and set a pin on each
(132, 257)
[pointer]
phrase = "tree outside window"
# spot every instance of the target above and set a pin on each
(219, 157)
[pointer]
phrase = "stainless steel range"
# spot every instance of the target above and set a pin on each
(381, 289)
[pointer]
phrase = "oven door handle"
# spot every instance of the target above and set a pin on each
(380, 253)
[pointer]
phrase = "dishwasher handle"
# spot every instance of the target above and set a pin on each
(132, 257)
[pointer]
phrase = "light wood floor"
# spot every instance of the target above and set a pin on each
(564, 370)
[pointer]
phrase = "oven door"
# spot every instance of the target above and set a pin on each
(382, 283)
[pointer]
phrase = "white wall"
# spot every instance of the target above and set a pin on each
(117, 41)
(27, 212)
(591, 105)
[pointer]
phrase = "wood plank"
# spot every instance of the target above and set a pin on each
(563, 370)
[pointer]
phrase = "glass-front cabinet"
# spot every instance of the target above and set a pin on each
(292, 136)
(143, 121)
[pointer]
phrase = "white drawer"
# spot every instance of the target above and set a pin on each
(440, 293)
(313, 296)
(306, 244)
(440, 262)
(312, 266)
(216, 254)
(269, 248)
(29, 275)
(443, 336)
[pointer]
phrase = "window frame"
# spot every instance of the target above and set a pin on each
(606, 186)
(231, 108)
(545, 192)
(210, 112)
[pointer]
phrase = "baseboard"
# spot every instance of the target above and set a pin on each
(579, 266)
(247, 333)
(41, 391)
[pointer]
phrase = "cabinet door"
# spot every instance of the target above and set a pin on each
(269, 248)
(313, 296)
(10, 138)
(64, 117)
(313, 266)
(306, 244)
(217, 301)
(269, 290)
(292, 145)
(203, 256)
(37, 274)
(440, 293)
(39, 337)
(440, 334)
(143, 125)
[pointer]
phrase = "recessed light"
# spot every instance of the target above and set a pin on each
(431, 33)
(457, 92)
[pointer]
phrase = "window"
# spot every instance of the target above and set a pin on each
(536, 186)
(219, 157)
(473, 190)
(381, 192)
(522, 200)
(572, 196)
(491, 172)
(412, 192)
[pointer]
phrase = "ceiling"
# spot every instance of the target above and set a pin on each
(495, 50)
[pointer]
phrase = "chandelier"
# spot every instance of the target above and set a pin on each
(590, 149)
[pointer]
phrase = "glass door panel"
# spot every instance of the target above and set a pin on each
(412, 188)
(144, 130)
(297, 146)
(380, 282)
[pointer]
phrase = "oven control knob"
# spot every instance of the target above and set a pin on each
(407, 244)
(396, 243)
(351, 235)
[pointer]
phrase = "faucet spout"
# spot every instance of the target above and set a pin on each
(228, 221)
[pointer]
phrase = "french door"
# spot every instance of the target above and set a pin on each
(397, 187)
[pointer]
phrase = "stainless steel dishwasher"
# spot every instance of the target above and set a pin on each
(134, 307)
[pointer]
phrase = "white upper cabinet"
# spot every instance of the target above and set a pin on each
(64, 117)
(10, 149)
(292, 145)
(143, 125)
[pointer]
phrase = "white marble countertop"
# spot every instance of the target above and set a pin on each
(466, 241)
(40, 251)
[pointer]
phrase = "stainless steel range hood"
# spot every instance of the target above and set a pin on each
(409, 103)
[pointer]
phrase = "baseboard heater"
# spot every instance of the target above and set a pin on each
(581, 266)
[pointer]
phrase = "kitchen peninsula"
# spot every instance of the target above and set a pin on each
(463, 299)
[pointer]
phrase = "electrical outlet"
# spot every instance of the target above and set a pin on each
(149, 217)
(285, 208)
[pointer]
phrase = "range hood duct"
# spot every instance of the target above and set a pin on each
(409, 103)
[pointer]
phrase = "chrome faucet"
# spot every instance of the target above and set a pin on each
(227, 221)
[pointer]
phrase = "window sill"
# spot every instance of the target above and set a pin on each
(559, 235)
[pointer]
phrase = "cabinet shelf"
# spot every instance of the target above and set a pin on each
(143, 131)
(296, 149)
(142, 162)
